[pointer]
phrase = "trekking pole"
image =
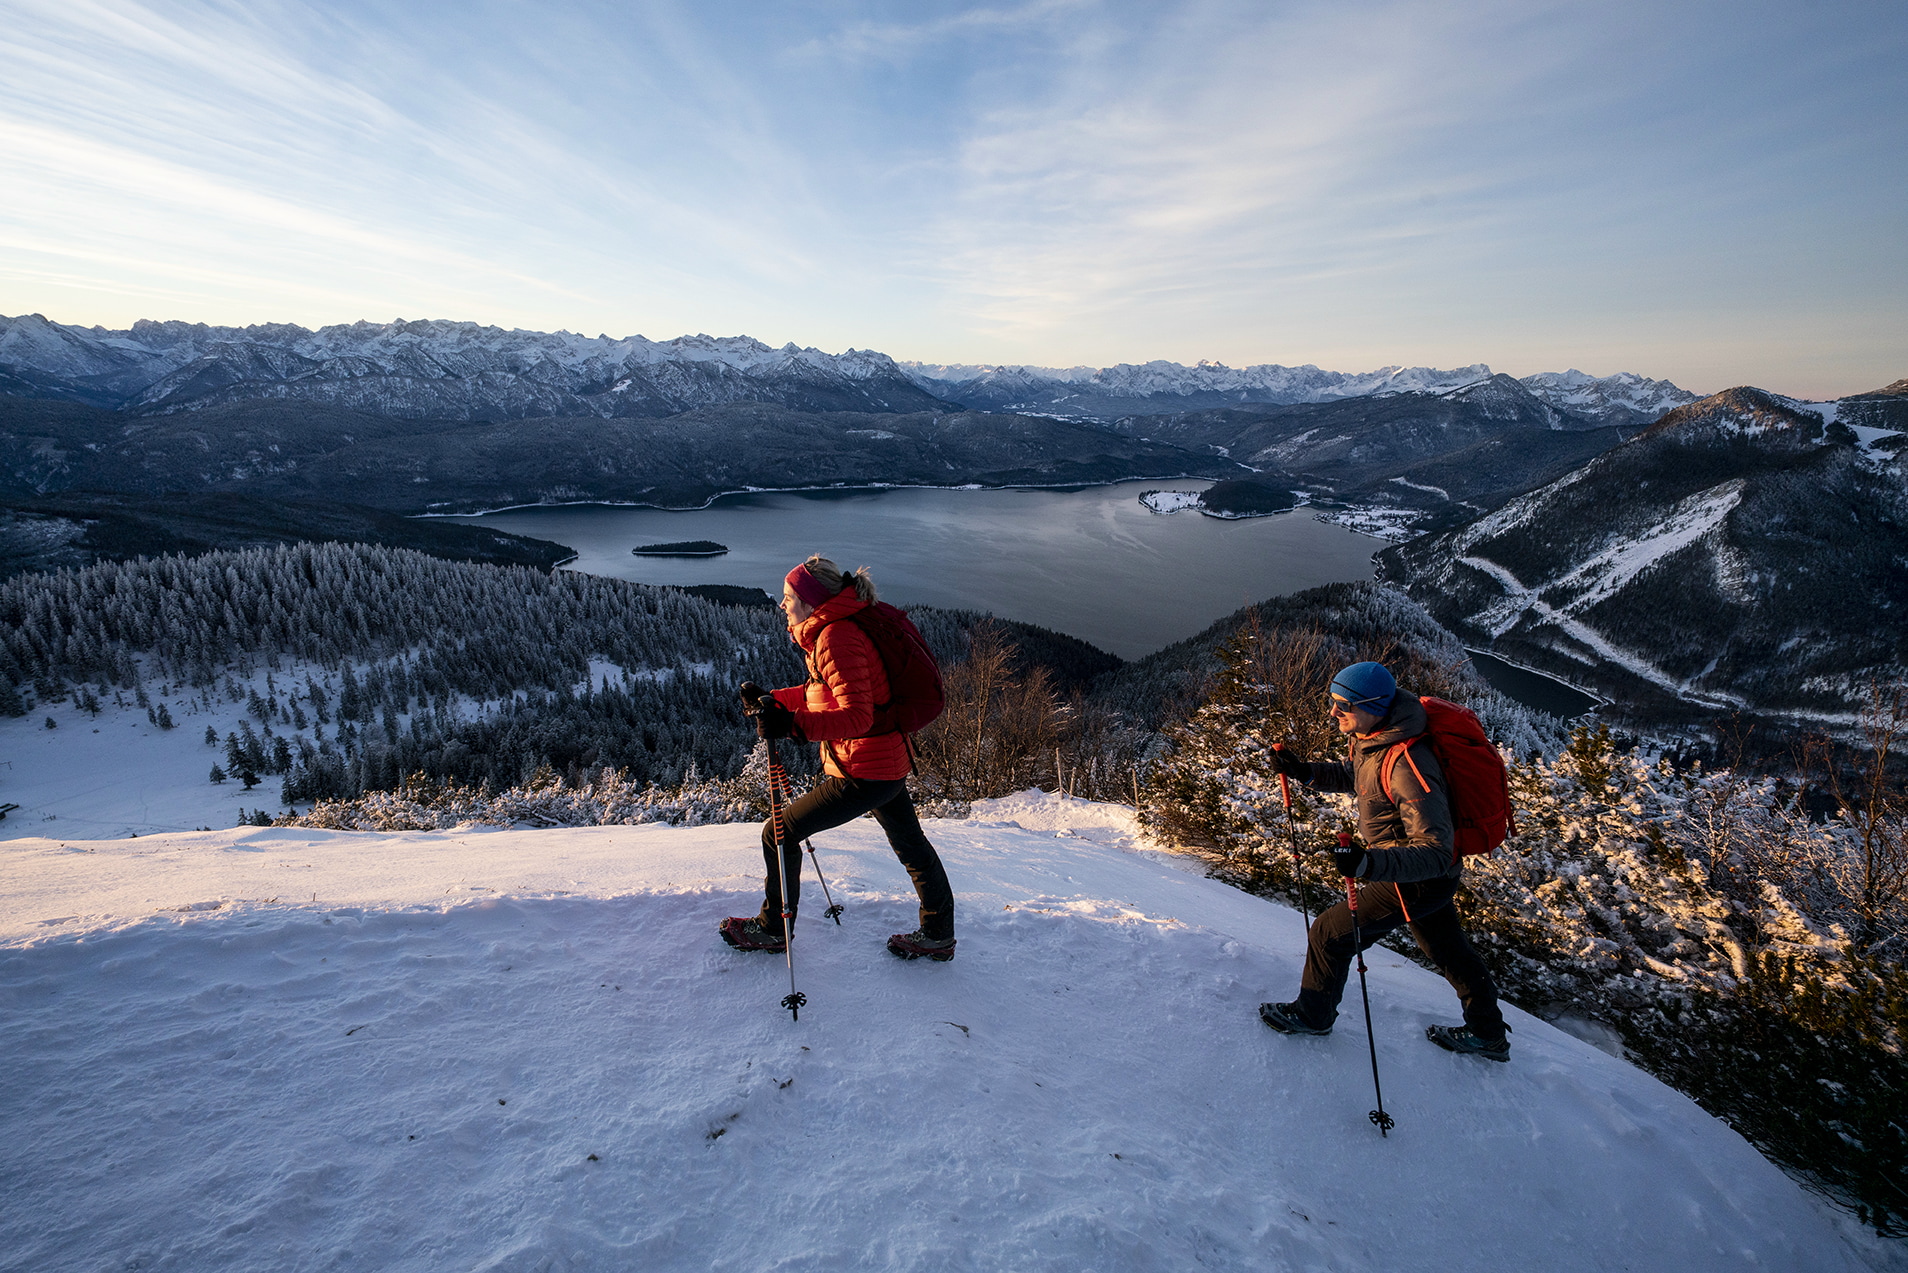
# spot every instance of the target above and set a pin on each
(794, 999)
(1381, 1120)
(834, 908)
(1291, 836)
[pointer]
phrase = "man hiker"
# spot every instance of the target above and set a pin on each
(866, 767)
(1407, 870)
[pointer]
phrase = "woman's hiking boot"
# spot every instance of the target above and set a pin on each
(1459, 1038)
(748, 934)
(1287, 1019)
(916, 944)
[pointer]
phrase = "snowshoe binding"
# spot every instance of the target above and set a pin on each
(917, 944)
(1287, 1019)
(748, 934)
(1459, 1038)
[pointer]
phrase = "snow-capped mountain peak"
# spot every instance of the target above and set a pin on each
(1624, 398)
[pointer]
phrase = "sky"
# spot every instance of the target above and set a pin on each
(1714, 193)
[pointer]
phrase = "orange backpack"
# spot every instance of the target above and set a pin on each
(1476, 783)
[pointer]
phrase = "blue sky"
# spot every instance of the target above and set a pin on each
(1712, 192)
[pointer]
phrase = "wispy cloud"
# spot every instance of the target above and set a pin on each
(898, 41)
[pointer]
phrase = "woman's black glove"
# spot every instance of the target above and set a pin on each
(1285, 763)
(772, 720)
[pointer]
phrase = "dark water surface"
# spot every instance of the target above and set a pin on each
(1093, 563)
(1532, 689)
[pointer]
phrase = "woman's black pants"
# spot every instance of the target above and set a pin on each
(834, 801)
(1435, 927)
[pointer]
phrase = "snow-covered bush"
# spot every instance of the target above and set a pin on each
(609, 799)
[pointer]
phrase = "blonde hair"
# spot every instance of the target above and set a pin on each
(831, 577)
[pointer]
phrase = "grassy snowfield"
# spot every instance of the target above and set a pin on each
(272, 1048)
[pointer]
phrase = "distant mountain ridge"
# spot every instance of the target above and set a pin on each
(436, 370)
(1157, 387)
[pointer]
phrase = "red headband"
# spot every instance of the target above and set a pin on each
(804, 584)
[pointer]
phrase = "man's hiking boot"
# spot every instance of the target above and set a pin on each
(748, 934)
(916, 944)
(1458, 1038)
(1287, 1019)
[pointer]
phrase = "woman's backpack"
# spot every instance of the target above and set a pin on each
(915, 695)
(1476, 783)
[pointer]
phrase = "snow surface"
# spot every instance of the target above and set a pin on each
(515, 1050)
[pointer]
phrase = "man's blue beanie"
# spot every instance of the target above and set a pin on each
(1366, 685)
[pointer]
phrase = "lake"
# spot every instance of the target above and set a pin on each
(1533, 689)
(1093, 563)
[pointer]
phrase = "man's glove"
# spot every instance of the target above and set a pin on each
(772, 720)
(1350, 861)
(1290, 766)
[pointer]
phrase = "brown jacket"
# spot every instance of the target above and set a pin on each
(846, 682)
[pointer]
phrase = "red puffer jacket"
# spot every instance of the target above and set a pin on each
(845, 683)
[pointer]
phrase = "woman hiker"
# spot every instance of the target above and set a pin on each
(864, 771)
(1409, 868)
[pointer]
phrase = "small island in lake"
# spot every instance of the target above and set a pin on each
(682, 548)
(1242, 497)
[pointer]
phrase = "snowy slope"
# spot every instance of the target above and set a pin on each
(1733, 554)
(117, 774)
(278, 1049)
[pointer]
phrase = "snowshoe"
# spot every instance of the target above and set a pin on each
(916, 944)
(748, 934)
(1458, 1038)
(1287, 1019)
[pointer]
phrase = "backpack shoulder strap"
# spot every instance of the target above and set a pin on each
(1392, 754)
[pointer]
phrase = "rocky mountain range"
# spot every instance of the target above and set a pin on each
(440, 415)
(465, 371)
(1745, 551)
(435, 370)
